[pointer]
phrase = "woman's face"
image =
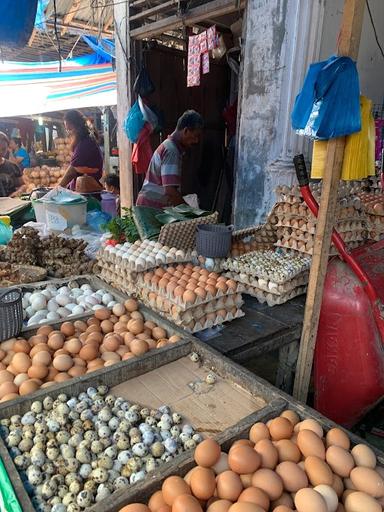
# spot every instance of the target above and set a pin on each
(12, 145)
(69, 127)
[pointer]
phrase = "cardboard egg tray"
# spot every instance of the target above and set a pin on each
(178, 256)
(280, 274)
(178, 300)
(347, 236)
(270, 286)
(225, 303)
(310, 225)
(302, 211)
(272, 299)
(295, 246)
(375, 220)
(117, 281)
(206, 322)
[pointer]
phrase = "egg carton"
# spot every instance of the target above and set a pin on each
(129, 256)
(310, 225)
(275, 266)
(272, 299)
(178, 300)
(270, 286)
(302, 211)
(347, 236)
(118, 271)
(303, 248)
(206, 322)
(125, 286)
(197, 312)
(377, 220)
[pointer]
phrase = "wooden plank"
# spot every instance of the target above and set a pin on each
(348, 45)
(124, 100)
(72, 11)
(32, 37)
(153, 10)
(208, 10)
(109, 21)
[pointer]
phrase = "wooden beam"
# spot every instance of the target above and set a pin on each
(72, 10)
(79, 28)
(153, 10)
(208, 10)
(124, 99)
(348, 45)
(33, 36)
(108, 22)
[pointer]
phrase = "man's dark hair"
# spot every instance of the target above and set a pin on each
(191, 120)
(17, 141)
(112, 180)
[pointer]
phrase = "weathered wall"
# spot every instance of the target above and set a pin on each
(261, 90)
(280, 40)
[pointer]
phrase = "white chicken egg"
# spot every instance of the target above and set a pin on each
(111, 304)
(97, 306)
(33, 320)
(100, 292)
(76, 292)
(52, 315)
(71, 306)
(64, 290)
(27, 295)
(78, 310)
(86, 287)
(35, 296)
(38, 302)
(51, 287)
(25, 302)
(97, 298)
(63, 312)
(62, 299)
(47, 294)
(52, 305)
(91, 300)
(107, 297)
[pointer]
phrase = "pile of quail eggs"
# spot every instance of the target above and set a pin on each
(60, 302)
(73, 452)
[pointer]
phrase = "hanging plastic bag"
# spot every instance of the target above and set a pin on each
(359, 153)
(134, 123)
(143, 85)
(328, 105)
(96, 219)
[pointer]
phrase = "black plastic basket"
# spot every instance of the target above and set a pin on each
(11, 313)
(213, 240)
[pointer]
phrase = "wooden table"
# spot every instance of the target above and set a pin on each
(262, 330)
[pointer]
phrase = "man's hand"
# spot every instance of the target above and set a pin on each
(174, 196)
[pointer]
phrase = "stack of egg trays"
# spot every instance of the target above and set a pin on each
(280, 275)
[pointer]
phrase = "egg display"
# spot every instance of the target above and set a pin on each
(55, 302)
(373, 205)
(191, 296)
(75, 451)
(270, 276)
(256, 476)
(77, 348)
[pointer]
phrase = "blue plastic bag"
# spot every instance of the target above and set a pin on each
(96, 219)
(6, 233)
(134, 123)
(328, 105)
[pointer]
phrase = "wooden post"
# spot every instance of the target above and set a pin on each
(348, 45)
(123, 72)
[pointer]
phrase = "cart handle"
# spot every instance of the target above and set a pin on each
(302, 176)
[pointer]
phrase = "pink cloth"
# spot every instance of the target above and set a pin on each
(142, 150)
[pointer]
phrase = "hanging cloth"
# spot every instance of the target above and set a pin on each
(328, 105)
(359, 153)
(17, 21)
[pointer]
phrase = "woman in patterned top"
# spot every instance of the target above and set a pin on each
(162, 183)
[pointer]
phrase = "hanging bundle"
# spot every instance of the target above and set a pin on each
(359, 153)
(328, 104)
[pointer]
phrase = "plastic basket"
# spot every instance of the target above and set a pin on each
(214, 240)
(11, 313)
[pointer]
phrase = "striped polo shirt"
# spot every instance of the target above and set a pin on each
(164, 171)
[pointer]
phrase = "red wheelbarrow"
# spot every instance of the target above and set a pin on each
(349, 353)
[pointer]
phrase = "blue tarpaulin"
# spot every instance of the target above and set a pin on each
(40, 21)
(104, 48)
(17, 19)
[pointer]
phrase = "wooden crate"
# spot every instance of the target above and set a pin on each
(224, 410)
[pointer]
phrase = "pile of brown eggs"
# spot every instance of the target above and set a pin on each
(77, 348)
(285, 465)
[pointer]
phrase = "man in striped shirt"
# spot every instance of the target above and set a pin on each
(162, 185)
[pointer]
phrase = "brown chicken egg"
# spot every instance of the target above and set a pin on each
(256, 496)
(259, 431)
(280, 428)
(28, 386)
(287, 450)
(21, 362)
(218, 505)
(63, 362)
(340, 461)
(203, 483)
(310, 443)
(268, 453)
(337, 437)
(307, 499)
(243, 459)
(228, 485)
(318, 471)
(21, 346)
(269, 482)
(172, 487)
(102, 314)
(207, 453)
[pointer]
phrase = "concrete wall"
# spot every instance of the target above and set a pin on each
(370, 61)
